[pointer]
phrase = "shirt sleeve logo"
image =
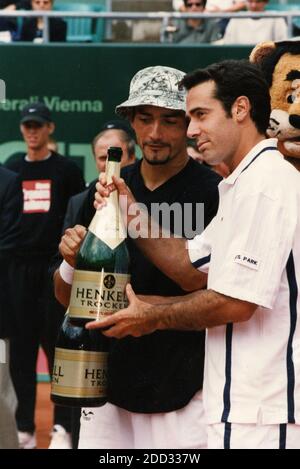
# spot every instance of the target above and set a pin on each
(247, 260)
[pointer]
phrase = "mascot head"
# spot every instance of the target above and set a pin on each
(280, 63)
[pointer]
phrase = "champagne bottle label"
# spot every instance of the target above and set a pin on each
(90, 300)
(112, 169)
(107, 223)
(78, 373)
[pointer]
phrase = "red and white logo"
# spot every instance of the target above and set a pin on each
(37, 196)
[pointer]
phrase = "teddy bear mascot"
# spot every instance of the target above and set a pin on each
(280, 63)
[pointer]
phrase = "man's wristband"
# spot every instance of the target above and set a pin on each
(66, 272)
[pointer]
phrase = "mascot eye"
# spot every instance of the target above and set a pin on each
(290, 98)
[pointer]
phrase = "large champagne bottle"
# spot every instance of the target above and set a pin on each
(80, 366)
(98, 289)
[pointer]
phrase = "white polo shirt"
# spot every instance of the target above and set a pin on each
(252, 249)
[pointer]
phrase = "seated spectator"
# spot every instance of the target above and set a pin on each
(196, 30)
(226, 6)
(254, 30)
(32, 28)
(8, 25)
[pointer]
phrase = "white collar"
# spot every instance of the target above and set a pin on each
(251, 156)
(36, 161)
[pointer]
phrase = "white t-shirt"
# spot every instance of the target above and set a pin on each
(222, 4)
(252, 249)
(253, 31)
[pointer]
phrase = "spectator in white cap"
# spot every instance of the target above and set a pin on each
(154, 382)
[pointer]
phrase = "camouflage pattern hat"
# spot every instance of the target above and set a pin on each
(155, 86)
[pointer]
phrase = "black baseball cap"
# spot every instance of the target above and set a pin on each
(37, 112)
(119, 124)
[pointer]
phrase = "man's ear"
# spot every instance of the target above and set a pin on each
(240, 109)
(51, 126)
(261, 51)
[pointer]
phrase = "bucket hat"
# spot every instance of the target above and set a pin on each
(155, 86)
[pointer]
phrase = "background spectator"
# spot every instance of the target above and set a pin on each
(254, 30)
(196, 31)
(114, 133)
(226, 6)
(8, 25)
(32, 28)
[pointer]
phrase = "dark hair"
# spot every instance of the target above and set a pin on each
(202, 1)
(234, 78)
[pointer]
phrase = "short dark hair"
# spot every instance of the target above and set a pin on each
(234, 78)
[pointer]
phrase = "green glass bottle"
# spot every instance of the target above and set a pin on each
(98, 289)
(102, 264)
(79, 375)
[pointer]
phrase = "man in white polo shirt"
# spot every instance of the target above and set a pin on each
(251, 251)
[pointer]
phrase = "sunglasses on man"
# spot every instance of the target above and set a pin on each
(195, 4)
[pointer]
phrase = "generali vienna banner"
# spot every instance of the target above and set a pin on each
(82, 85)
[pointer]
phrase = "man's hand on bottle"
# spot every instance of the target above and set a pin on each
(70, 243)
(104, 189)
(135, 320)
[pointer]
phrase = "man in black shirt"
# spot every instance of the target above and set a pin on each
(10, 213)
(154, 382)
(48, 181)
(32, 29)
